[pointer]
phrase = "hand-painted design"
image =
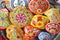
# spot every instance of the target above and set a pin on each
(4, 10)
(28, 38)
(31, 32)
(21, 16)
(39, 6)
(53, 28)
(14, 3)
(44, 36)
(6, 3)
(2, 5)
(39, 21)
(53, 15)
(39, 18)
(4, 21)
(13, 34)
(19, 3)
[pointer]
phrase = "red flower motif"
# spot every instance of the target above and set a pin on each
(18, 37)
(39, 18)
(21, 18)
(30, 31)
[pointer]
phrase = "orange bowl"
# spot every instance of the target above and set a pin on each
(39, 6)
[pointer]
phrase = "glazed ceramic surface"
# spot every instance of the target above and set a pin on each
(20, 16)
(31, 32)
(39, 21)
(14, 33)
(44, 36)
(4, 20)
(14, 3)
(53, 15)
(39, 6)
(53, 28)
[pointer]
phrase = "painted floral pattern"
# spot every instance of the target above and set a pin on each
(53, 15)
(39, 21)
(53, 28)
(4, 21)
(20, 17)
(31, 32)
(13, 34)
(39, 6)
